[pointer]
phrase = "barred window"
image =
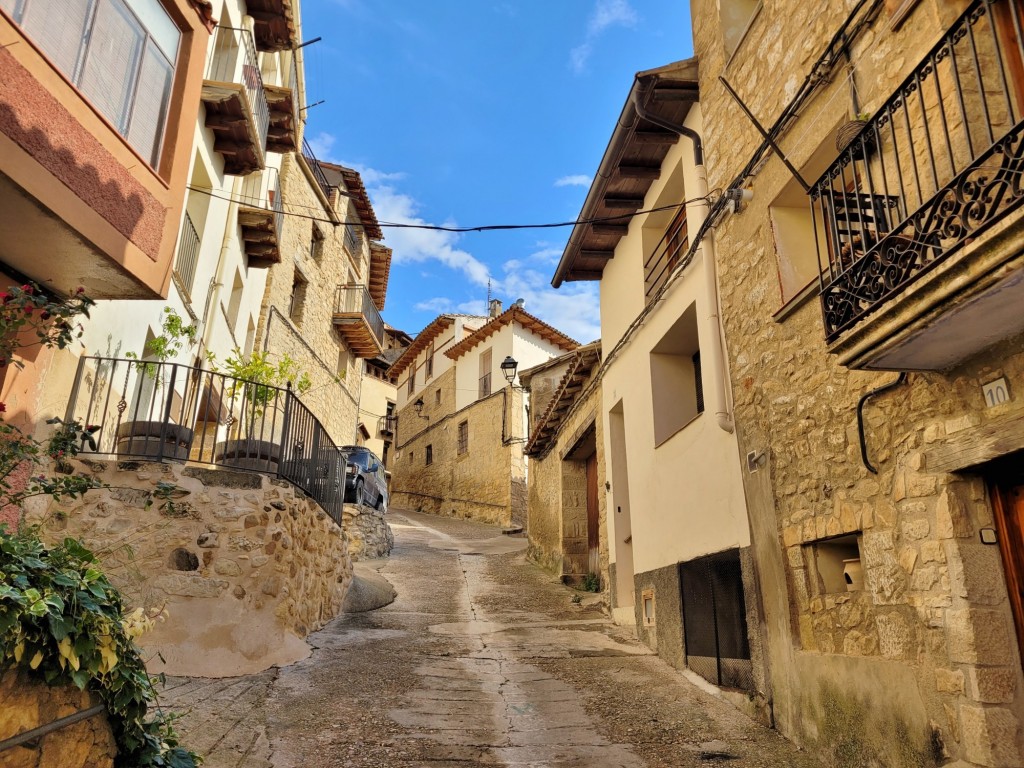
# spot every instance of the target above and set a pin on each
(430, 454)
(463, 437)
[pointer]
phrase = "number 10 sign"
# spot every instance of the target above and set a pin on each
(996, 392)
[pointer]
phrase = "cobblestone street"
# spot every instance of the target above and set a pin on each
(481, 660)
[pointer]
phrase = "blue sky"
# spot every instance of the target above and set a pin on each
(474, 112)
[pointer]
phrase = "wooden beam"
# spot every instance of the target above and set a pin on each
(655, 137)
(624, 203)
(584, 274)
(639, 172)
(596, 254)
(606, 228)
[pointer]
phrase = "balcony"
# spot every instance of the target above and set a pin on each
(358, 321)
(666, 254)
(317, 170)
(387, 424)
(155, 411)
(95, 146)
(273, 24)
(236, 102)
(918, 221)
(283, 102)
(188, 257)
(261, 217)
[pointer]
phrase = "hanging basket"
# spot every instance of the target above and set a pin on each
(848, 133)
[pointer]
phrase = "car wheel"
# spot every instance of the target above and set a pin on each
(379, 506)
(358, 496)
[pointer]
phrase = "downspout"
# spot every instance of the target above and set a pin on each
(697, 213)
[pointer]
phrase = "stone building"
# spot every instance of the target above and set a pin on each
(461, 423)
(566, 514)
(378, 418)
(679, 540)
(885, 507)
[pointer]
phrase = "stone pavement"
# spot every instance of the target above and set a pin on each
(481, 660)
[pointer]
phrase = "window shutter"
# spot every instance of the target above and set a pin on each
(58, 27)
(152, 95)
(108, 72)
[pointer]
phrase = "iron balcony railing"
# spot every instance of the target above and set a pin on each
(387, 424)
(234, 61)
(152, 411)
(356, 300)
(937, 164)
(665, 255)
(262, 191)
(351, 239)
(318, 171)
(188, 255)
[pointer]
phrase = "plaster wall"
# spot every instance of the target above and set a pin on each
(902, 671)
(373, 405)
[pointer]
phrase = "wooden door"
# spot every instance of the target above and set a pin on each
(593, 538)
(1008, 503)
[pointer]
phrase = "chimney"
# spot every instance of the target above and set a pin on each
(494, 308)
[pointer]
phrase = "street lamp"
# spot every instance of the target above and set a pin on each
(508, 368)
(418, 405)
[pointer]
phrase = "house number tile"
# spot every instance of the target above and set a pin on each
(996, 392)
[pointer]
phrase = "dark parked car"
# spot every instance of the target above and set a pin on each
(365, 482)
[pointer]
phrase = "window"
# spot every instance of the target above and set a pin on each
(647, 600)
(430, 455)
(297, 303)
(343, 362)
(485, 373)
(736, 16)
(837, 564)
(316, 244)
(430, 362)
(676, 386)
(119, 53)
(351, 239)
(235, 302)
(412, 381)
(410, 457)
(662, 259)
(463, 437)
(437, 396)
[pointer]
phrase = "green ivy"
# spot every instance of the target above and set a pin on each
(61, 620)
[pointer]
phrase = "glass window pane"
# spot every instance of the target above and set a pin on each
(13, 7)
(58, 26)
(155, 19)
(151, 96)
(111, 60)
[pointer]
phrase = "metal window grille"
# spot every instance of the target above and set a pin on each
(485, 385)
(430, 454)
(715, 620)
(188, 255)
(666, 254)
(463, 437)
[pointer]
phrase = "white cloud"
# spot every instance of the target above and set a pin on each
(607, 13)
(547, 255)
(438, 304)
(322, 144)
(575, 180)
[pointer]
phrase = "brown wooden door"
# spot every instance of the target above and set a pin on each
(1008, 503)
(593, 539)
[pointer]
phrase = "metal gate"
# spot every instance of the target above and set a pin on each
(715, 620)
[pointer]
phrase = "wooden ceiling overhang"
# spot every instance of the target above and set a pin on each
(380, 271)
(569, 388)
(513, 315)
(361, 199)
(274, 24)
(436, 327)
(630, 165)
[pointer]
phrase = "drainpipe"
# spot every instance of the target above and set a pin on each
(696, 213)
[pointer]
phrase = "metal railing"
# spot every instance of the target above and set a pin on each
(188, 255)
(152, 411)
(386, 425)
(318, 172)
(936, 165)
(262, 191)
(665, 255)
(351, 239)
(234, 61)
(356, 300)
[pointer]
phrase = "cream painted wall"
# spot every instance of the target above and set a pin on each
(685, 496)
(373, 405)
(442, 363)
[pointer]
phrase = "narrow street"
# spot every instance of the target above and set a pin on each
(481, 660)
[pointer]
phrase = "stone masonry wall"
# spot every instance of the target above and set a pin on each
(921, 664)
(245, 565)
(29, 703)
(308, 335)
(476, 484)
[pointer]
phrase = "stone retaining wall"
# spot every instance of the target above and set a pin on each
(369, 535)
(245, 565)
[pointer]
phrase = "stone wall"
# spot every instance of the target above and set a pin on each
(477, 484)
(369, 535)
(245, 565)
(921, 663)
(305, 332)
(28, 703)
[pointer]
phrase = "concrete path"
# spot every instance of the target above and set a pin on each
(481, 660)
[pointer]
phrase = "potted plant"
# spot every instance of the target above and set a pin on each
(157, 437)
(257, 408)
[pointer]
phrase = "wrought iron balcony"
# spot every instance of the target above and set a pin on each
(283, 101)
(156, 411)
(187, 258)
(387, 424)
(318, 172)
(261, 216)
(236, 102)
(666, 254)
(358, 320)
(914, 217)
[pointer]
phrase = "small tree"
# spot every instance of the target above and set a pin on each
(256, 382)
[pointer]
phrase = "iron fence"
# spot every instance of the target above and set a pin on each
(938, 163)
(318, 171)
(262, 190)
(234, 61)
(155, 411)
(356, 300)
(665, 255)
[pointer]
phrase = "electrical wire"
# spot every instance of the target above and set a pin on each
(620, 217)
